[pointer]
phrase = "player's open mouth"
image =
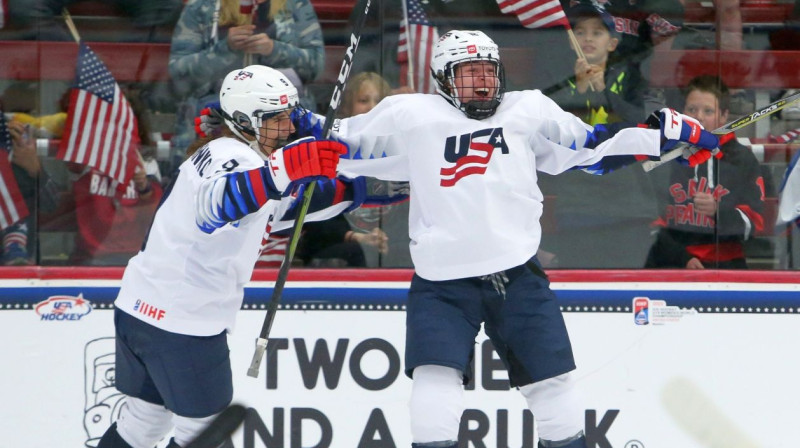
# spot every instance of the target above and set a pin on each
(482, 92)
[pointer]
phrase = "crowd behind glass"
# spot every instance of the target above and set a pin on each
(637, 57)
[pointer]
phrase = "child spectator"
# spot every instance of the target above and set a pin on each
(603, 221)
(599, 88)
(716, 206)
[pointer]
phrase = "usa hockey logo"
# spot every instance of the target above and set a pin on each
(63, 308)
(641, 310)
(471, 154)
(242, 75)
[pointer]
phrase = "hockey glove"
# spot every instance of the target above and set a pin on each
(396, 192)
(210, 121)
(303, 161)
(677, 129)
(306, 123)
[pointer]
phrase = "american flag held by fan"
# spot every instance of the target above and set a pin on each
(101, 129)
(536, 13)
(415, 47)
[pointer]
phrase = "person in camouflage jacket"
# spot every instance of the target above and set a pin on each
(286, 36)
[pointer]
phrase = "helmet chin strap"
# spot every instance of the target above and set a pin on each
(480, 109)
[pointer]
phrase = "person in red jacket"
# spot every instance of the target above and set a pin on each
(714, 207)
(112, 222)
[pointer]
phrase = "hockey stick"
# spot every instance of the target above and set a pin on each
(218, 431)
(733, 126)
(336, 98)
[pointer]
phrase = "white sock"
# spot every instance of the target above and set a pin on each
(187, 428)
(437, 402)
(556, 406)
(143, 424)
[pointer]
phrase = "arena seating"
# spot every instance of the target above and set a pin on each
(101, 25)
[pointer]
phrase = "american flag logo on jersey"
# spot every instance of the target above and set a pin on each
(536, 13)
(101, 129)
(12, 204)
(470, 154)
(417, 29)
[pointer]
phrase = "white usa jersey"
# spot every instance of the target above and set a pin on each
(187, 281)
(475, 202)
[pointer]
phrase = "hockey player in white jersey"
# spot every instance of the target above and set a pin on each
(471, 154)
(180, 294)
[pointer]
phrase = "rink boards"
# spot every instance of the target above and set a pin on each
(665, 359)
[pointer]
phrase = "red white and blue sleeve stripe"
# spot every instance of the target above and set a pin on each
(233, 196)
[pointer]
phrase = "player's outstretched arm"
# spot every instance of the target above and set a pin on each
(336, 196)
(234, 195)
(675, 128)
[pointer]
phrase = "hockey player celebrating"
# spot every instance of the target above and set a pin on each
(471, 154)
(180, 294)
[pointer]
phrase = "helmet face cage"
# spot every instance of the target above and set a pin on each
(276, 129)
(251, 96)
(458, 47)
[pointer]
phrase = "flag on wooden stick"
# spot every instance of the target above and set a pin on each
(415, 47)
(101, 129)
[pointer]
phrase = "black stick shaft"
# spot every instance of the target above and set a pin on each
(221, 428)
(283, 273)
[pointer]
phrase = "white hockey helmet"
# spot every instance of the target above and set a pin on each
(250, 95)
(456, 47)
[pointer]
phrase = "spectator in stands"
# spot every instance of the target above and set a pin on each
(364, 90)
(603, 221)
(112, 222)
(42, 19)
(645, 27)
(599, 88)
(284, 35)
(19, 241)
(715, 206)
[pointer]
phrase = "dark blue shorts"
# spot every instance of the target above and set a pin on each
(190, 375)
(527, 329)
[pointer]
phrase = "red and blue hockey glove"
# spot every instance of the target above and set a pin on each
(210, 121)
(700, 145)
(303, 161)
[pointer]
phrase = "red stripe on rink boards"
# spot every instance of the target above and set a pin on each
(404, 275)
